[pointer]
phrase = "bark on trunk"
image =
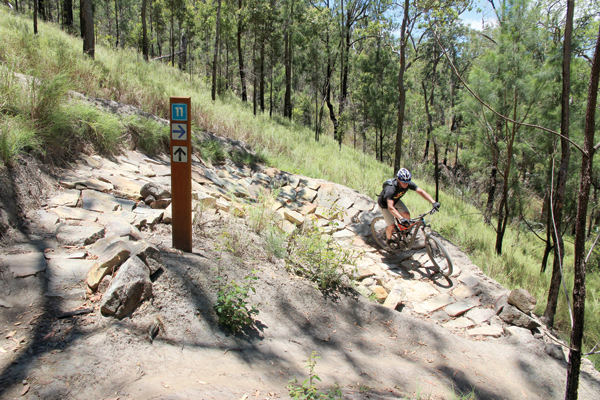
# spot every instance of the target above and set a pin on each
(561, 182)
(144, 31)
(89, 42)
(240, 28)
(213, 91)
(401, 90)
(582, 203)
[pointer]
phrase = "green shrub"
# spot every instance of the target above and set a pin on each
(317, 256)
(149, 135)
(232, 303)
(16, 136)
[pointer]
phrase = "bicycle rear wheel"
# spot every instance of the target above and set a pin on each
(378, 226)
(438, 255)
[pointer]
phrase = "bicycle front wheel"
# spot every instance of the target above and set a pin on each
(438, 255)
(378, 226)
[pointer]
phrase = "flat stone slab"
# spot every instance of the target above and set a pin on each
(100, 202)
(492, 330)
(440, 316)
(345, 202)
(344, 234)
(462, 306)
(480, 315)
(364, 205)
(463, 291)
(306, 194)
(96, 184)
(459, 323)
(77, 214)
(287, 192)
(293, 217)
(437, 302)
(213, 177)
(79, 235)
(469, 280)
(68, 198)
(22, 265)
(125, 186)
(420, 291)
(100, 246)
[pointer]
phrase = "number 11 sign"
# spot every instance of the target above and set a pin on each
(181, 172)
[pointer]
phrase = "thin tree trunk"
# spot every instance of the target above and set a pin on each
(262, 76)
(582, 203)
(240, 28)
(401, 90)
(503, 212)
(144, 31)
(68, 15)
(89, 39)
(82, 18)
(35, 17)
(561, 182)
(213, 90)
(117, 22)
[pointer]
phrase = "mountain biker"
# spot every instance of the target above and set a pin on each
(391, 205)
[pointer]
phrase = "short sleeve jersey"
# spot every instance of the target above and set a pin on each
(394, 192)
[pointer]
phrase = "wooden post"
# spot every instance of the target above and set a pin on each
(181, 172)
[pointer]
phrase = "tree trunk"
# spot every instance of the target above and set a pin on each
(261, 82)
(582, 203)
(401, 90)
(82, 18)
(117, 22)
(183, 52)
(42, 9)
(240, 28)
(503, 211)
(561, 181)
(287, 105)
(89, 42)
(144, 31)
(35, 17)
(68, 15)
(213, 90)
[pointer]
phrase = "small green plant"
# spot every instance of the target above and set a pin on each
(232, 308)
(308, 389)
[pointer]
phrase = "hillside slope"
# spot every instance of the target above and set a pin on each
(371, 351)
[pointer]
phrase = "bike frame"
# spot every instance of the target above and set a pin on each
(413, 228)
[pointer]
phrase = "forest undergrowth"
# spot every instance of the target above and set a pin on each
(39, 115)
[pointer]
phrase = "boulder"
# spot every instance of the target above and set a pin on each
(130, 286)
(112, 258)
(380, 293)
(161, 204)
(155, 190)
(522, 299)
(148, 253)
(513, 316)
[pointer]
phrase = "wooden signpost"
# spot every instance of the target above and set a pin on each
(181, 172)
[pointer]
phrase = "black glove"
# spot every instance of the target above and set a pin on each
(405, 222)
(436, 205)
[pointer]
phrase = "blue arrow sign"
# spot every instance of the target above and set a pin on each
(179, 131)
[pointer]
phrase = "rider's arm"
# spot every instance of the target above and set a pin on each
(392, 209)
(425, 195)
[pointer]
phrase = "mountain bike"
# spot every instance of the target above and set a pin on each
(404, 237)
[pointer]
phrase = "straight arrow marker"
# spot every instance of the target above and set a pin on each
(180, 154)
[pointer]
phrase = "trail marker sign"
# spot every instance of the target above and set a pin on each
(179, 131)
(181, 172)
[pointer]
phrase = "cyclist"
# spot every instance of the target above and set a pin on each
(391, 205)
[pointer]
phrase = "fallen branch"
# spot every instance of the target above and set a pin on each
(73, 313)
(168, 55)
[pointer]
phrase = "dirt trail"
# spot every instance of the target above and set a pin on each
(370, 351)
